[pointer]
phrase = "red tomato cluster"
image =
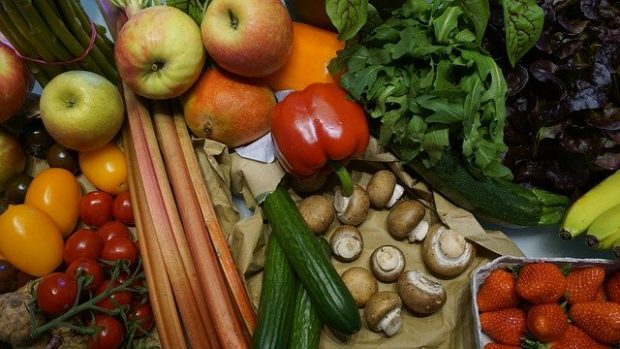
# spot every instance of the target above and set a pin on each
(91, 256)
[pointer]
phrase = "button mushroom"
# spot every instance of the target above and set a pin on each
(346, 243)
(419, 293)
(382, 313)
(318, 212)
(406, 220)
(383, 190)
(361, 283)
(387, 262)
(446, 252)
(352, 209)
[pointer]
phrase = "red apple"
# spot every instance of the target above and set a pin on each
(12, 157)
(159, 52)
(251, 38)
(14, 82)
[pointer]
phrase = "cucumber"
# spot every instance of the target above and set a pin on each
(497, 201)
(330, 296)
(277, 298)
(306, 327)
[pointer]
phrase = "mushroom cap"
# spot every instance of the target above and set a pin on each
(352, 210)
(380, 305)
(446, 252)
(346, 243)
(380, 188)
(387, 262)
(404, 217)
(318, 212)
(419, 293)
(361, 283)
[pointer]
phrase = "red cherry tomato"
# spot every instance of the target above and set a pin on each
(56, 293)
(96, 208)
(110, 333)
(142, 314)
(122, 209)
(84, 243)
(115, 300)
(87, 267)
(117, 249)
(113, 229)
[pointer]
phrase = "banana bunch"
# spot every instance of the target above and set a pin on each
(597, 214)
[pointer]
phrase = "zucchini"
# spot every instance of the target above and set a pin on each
(306, 327)
(497, 201)
(277, 298)
(330, 296)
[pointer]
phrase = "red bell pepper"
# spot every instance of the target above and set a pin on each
(317, 130)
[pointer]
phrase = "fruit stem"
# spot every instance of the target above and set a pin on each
(90, 304)
(565, 235)
(343, 176)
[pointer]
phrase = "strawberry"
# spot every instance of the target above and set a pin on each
(601, 320)
(582, 284)
(613, 287)
(497, 291)
(505, 326)
(500, 346)
(574, 338)
(547, 322)
(541, 282)
(601, 295)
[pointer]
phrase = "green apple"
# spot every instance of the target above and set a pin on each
(81, 110)
(251, 38)
(159, 52)
(12, 157)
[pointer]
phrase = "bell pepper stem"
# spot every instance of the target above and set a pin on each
(343, 176)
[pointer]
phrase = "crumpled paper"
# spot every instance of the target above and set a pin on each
(452, 327)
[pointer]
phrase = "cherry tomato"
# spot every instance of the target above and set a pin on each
(142, 314)
(113, 229)
(56, 293)
(122, 209)
(57, 192)
(84, 243)
(105, 168)
(96, 208)
(30, 240)
(115, 300)
(110, 334)
(120, 249)
(87, 267)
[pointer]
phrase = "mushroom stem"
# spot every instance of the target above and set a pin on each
(399, 190)
(391, 323)
(343, 176)
(419, 232)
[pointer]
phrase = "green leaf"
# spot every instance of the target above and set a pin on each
(523, 23)
(446, 24)
(348, 16)
(478, 12)
(194, 8)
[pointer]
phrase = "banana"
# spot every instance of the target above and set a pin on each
(605, 230)
(590, 205)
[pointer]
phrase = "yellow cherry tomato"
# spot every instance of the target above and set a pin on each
(56, 191)
(30, 240)
(105, 168)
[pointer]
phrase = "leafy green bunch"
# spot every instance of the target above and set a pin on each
(423, 77)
